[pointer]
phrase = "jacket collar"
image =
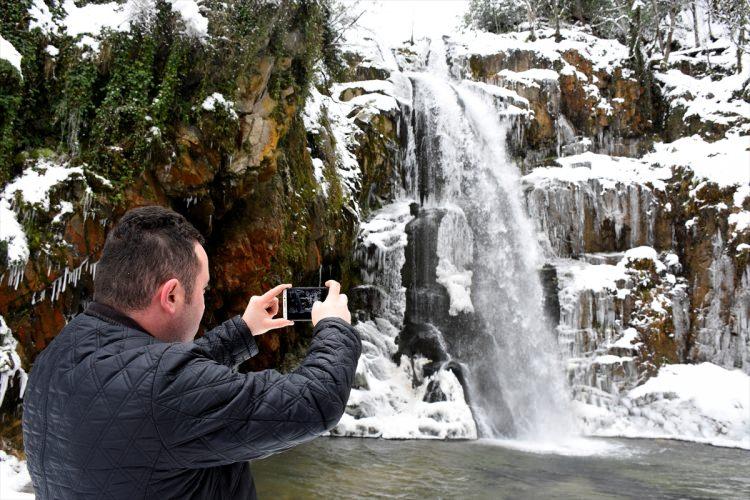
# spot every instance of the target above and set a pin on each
(112, 315)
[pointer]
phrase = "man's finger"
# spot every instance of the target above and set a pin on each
(333, 290)
(279, 323)
(343, 298)
(273, 292)
(274, 309)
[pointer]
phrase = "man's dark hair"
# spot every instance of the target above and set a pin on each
(148, 246)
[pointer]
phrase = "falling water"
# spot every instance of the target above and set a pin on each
(515, 378)
(459, 248)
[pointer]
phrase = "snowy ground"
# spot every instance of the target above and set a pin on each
(702, 403)
(14, 478)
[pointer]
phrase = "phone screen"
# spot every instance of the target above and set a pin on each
(298, 301)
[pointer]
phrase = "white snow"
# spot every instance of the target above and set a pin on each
(627, 341)
(33, 185)
(640, 253)
(215, 100)
(344, 131)
(740, 221)
(383, 86)
(390, 406)
(195, 22)
(9, 53)
(707, 98)
(608, 170)
(606, 55)
(530, 77)
(580, 275)
(725, 162)
(35, 182)
(10, 362)
(41, 17)
(91, 20)
(704, 403)
(318, 167)
(14, 477)
(12, 233)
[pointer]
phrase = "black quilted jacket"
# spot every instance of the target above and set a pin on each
(112, 412)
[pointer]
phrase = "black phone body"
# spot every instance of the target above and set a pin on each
(298, 301)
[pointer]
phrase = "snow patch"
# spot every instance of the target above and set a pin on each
(9, 53)
(703, 403)
(217, 100)
(14, 478)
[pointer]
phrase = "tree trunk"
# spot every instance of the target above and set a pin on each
(672, 23)
(531, 14)
(695, 23)
(657, 22)
(740, 43)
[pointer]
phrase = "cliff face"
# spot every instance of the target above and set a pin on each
(685, 199)
(212, 123)
(276, 148)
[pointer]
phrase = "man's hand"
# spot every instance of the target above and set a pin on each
(261, 310)
(335, 305)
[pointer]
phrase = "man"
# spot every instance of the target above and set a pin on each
(123, 403)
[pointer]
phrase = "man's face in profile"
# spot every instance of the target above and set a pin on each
(192, 310)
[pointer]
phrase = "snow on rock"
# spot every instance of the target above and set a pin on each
(318, 169)
(595, 203)
(91, 20)
(608, 170)
(36, 181)
(386, 402)
(12, 233)
(15, 481)
(217, 100)
(195, 23)
(367, 48)
(740, 221)
(530, 77)
(643, 253)
(725, 162)
(384, 87)
(33, 187)
(703, 403)
(710, 99)
(344, 131)
(348, 106)
(9, 53)
(605, 54)
(11, 371)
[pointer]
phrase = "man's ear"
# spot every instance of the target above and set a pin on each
(169, 295)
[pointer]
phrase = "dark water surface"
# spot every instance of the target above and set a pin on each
(628, 468)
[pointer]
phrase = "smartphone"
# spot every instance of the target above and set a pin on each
(298, 301)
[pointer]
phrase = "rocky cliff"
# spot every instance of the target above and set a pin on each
(276, 142)
(223, 116)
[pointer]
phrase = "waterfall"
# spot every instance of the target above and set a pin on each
(469, 271)
(516, 381)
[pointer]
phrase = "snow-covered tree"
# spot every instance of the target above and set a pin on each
(495, 16)
(735, 14)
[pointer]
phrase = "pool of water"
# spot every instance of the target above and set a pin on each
(603, 468)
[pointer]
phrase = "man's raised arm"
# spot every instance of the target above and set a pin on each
(207, 414)
(233, 342)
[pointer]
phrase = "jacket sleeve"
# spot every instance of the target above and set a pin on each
(230, 343)
(208, 414)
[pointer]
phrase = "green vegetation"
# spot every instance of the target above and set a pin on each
(117, 109)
